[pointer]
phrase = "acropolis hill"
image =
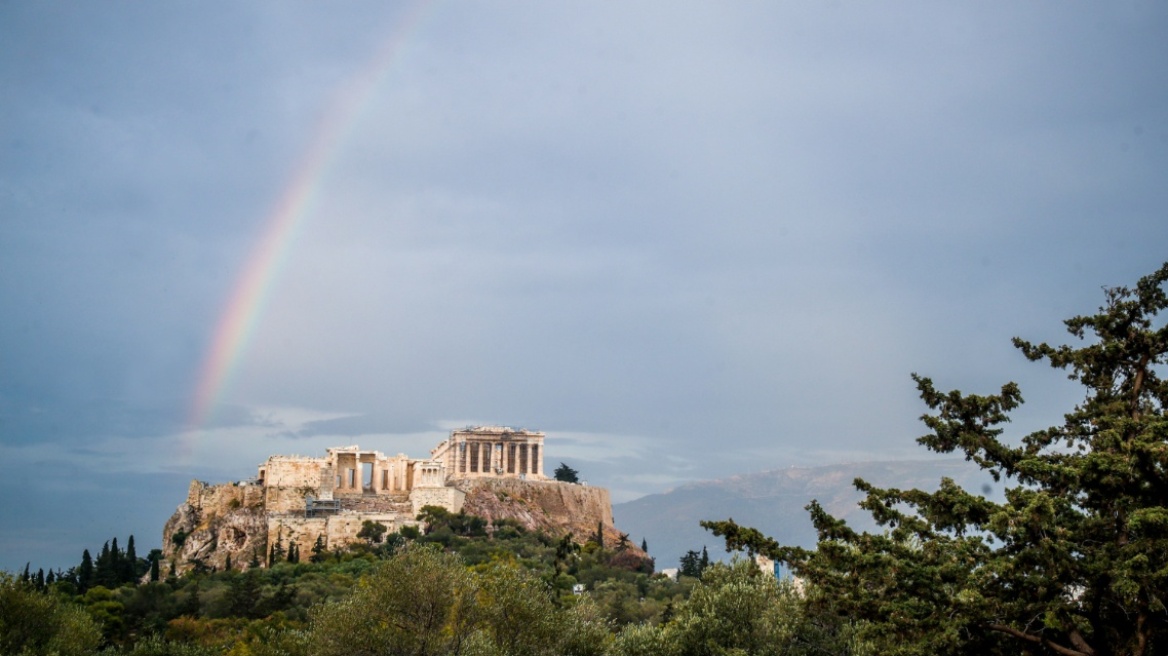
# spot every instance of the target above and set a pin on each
(495, 472)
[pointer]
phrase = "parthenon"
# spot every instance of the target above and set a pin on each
(492, 451)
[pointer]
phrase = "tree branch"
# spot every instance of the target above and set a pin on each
(1022, 635)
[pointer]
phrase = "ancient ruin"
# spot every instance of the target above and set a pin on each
(302, 500)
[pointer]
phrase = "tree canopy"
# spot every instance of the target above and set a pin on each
(566, 474)
(1073, 562)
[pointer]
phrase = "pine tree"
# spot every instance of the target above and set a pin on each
(644, 545)
(1073, 562)
(566, 474)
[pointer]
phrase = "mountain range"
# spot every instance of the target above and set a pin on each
(775, 503)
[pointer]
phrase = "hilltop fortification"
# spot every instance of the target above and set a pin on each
(492, 471)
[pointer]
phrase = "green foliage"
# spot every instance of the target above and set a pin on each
(372, 531)
(566, 474)
(421, 602)
(736, 609)
(1074, 561)
(694, 563)
(34, 623)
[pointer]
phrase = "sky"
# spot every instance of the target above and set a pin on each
(686, 240)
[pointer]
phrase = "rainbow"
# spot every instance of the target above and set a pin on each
(245, 307)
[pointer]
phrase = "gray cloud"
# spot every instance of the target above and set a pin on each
(707, 239)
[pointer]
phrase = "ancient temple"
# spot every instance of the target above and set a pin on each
(499, 451)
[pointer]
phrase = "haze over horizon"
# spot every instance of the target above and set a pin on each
(686, 241)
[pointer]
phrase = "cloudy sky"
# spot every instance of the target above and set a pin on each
(684, 239)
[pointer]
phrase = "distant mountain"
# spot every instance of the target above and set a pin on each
(774, 501)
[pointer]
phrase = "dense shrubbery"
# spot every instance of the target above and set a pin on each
(463, 587)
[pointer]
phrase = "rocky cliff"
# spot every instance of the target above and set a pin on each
(233, 521)
(215, 523)
(549, 506)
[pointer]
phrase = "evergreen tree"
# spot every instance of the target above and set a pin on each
(277, 553)
(566, 474)
(85, 573)
(318, 550)
(599, 537)
(155, 557)
(105, 570)
(130, 563)
(243, 595)
(1073, 562)
(227, 563)
(644, 545)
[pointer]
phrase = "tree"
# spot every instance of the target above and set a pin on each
(129, 566)
(1074, 562)
(693, 563)
(35, 623)
(421, 602)
(566, 474)
(154, 557)
(372, 531)
(318, 550)
(277, 553)
(85, 572)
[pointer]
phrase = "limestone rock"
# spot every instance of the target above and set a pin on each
(550, 506)
(217, 521)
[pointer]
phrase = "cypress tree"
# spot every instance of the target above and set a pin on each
(317, 550)
(277, 553)
(227, 564)
(104, 570)
(130, 567)
(644, 545)
(153, 566)
(85, 573)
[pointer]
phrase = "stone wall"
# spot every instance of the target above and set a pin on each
(448, 497)
(293, 471)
